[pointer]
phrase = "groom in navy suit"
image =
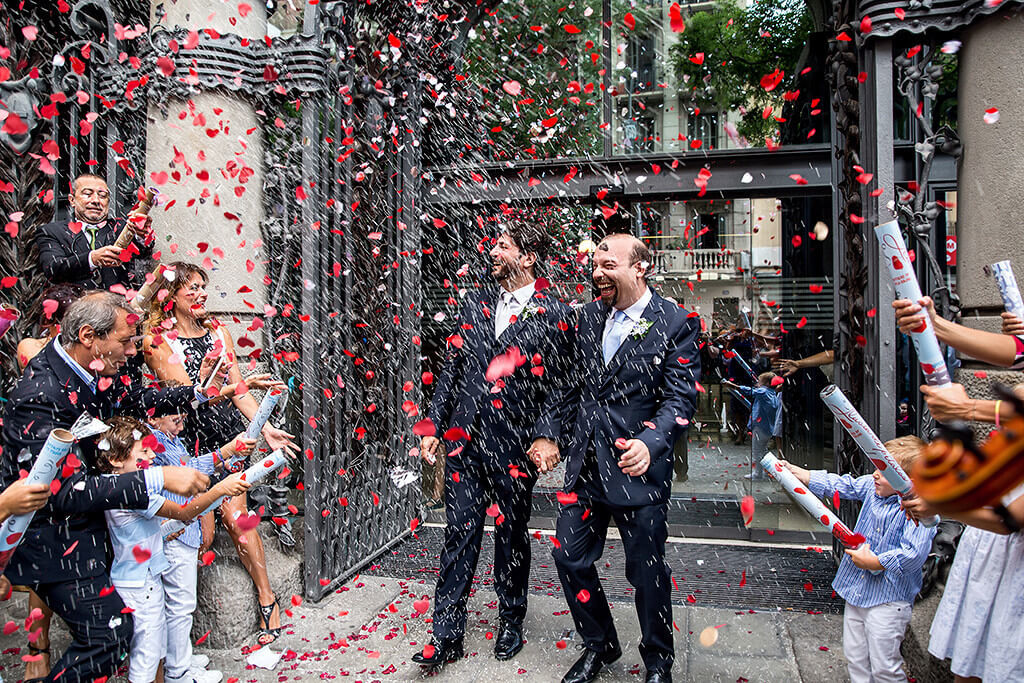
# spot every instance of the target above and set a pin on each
(497, 409)
(638, 368)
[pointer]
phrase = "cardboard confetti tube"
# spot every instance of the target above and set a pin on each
(44, 470)
(809, 502)
(8, 316)
(871, 445)
(141, 207)
(894, 253)
(256, 473)
(1008, 289)
(263, 413)
(148, 290)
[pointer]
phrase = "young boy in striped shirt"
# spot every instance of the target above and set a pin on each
(138, 542)
(880, 579)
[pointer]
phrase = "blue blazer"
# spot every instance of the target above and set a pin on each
(647, 392)
(529, 403)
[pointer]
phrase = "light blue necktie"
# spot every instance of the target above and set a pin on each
(613, 340)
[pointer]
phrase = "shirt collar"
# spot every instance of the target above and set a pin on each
(82, 373)
(636, 311)
(524, 293)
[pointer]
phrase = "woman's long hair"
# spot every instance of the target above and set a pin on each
(175, 276)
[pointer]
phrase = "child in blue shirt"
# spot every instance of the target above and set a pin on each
(182, 550)
(138, 541)
(765, 410)
(879, 580)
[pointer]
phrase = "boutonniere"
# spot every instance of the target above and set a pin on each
(530, 310)
(640, 328)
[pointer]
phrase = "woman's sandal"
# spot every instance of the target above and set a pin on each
(267, 611)
(34, 651)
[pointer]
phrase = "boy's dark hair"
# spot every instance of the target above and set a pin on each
(529, 237)
(119, 440)
(64, 294)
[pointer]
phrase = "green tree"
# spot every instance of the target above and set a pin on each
(740, 58)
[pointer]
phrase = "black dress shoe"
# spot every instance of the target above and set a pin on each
(509, 641)
(658, 677)
(444, 651)
(590, 664)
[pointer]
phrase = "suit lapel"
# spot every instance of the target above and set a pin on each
(514, 330)
(632, 343)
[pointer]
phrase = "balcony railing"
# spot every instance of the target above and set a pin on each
(692, 260)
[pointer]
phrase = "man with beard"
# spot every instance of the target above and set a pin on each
(81, 250)
(639, 363)
(497, 401)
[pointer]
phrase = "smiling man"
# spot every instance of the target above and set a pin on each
(502, 387)
(81, 250)
(64, 555)
(638, 364)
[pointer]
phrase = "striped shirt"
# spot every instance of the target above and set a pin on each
(901, 546)
(175, 453)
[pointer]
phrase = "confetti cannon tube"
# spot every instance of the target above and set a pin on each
(894, 253)
(256, 473)
(141, 208)
(871, 445)
(1008, 289)
(263, 413)
(809, 502)
(8, 316)
(44, 470)
(148, 290)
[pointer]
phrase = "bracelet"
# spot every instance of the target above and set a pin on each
(999, 402)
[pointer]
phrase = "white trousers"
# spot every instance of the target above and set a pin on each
(150, 639)
(180, 599)
(871, 641)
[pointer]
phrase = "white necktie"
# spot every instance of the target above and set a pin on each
(503, 316)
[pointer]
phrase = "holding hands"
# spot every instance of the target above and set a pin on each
(544, 454)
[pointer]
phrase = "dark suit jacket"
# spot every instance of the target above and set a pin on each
(503, 424)
(68, 537)
(64, 256)
(647, 392)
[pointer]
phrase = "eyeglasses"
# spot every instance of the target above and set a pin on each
(89, 192)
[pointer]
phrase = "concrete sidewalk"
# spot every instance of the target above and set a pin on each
(368, 630)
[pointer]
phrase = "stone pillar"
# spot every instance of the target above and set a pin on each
(991, 215)
(210, 147)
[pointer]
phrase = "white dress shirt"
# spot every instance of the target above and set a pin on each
(511, 304)
(634, 312)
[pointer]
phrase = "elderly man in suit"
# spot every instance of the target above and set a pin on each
(496, 403)
(638, 368)
(81, 250)
(65, 553)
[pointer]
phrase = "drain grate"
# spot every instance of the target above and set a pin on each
(707, 575)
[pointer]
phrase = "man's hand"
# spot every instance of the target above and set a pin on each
(909, 316)
(948, 403)
(106, 257)
(786, 366)
(916, 509)
(22, 497)
(863, 558)
(544, 454)
(635, 457)
(278, 438)
(804, 476)
(1011, 323)
(430, 449)
(141, 225)
(184, 481)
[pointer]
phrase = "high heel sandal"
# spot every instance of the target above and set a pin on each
(265, 612)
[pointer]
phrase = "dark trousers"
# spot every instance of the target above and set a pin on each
(466, 502)
(101, 635)
(581, 531)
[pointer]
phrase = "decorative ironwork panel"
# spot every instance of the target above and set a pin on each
(917, 16)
